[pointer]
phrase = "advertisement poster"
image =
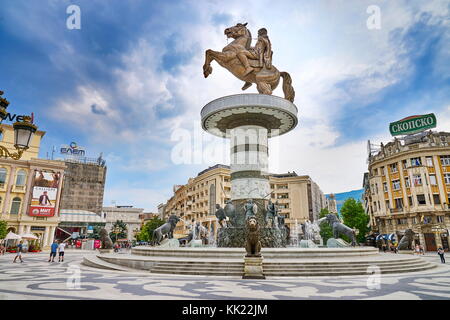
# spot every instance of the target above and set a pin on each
(44, 194)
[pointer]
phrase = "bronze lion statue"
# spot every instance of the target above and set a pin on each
(105, 239)
(406, 241)
(253, 245)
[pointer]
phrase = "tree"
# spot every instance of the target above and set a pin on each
(146, 233)
(326, 232)
(121, 227)
(3, 229)
(354, 216)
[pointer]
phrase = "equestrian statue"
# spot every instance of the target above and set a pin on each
(250, 64)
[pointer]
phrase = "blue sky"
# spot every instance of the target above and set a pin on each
(129, 82)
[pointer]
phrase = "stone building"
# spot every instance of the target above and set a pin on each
(407, 186)
(17, 178)
(129, 215)
(299, 198)
(84, 185)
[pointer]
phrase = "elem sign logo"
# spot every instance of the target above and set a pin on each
(413, 124)
(72, 149)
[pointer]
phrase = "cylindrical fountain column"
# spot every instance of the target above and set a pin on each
(249, 162)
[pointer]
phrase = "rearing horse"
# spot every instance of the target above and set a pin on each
(266, 79)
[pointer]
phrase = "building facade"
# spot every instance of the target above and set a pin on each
(84, 185)
(408, 187)
(299, 198)
(17, 181)
(132, 217)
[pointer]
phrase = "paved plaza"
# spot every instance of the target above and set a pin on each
(38, 279)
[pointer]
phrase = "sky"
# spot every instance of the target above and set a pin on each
(129, 84)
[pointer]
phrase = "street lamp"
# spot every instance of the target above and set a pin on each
(23, 132)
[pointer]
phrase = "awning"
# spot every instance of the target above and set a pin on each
(12, 236)
(28, 236)
(390, 237)
(81, 216)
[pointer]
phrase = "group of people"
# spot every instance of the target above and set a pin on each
(418, 249)
(57, 247)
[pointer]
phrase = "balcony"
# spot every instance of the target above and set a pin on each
(396, 210)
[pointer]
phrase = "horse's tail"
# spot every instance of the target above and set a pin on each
(289, 93)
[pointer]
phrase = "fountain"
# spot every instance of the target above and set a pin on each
(249, 120)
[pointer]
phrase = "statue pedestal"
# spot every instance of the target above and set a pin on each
(105, 250)
(169, 243)
(253, 268)
(406, 252)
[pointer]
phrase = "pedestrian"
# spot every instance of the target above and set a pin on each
(53, 249)
(417, 249)
(61, 248)
(441, 254)
(19, 252)
(2, 249)
(422, 251)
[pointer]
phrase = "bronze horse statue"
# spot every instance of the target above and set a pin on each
(265, 75)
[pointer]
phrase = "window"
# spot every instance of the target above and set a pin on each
(421, 199)
(15, 205)
(396, 184)
(445, 160)
(21, 177)
(416, 162)
(417, 179)
(2, 176)
(410, 201)
(382, 171)
(375, 171)
(447, 178)
(374, 206)
(404, 164)
(385, 187)
(427, 219)
(402, 221)
(407, 183)
(440, 219)
(387, 205)
(398, 203)
(429, 161)
(394, 167)
(433, 180)
(436, 199)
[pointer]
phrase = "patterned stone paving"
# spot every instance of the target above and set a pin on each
(38, 279)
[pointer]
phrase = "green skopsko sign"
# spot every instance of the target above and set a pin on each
(413, 124)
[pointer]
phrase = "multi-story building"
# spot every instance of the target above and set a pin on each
(18, 179)
(299, 198)
(84, 185)
(408, 187)
(129, 215)
(332, 203)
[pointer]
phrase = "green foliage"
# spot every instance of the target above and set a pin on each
(326, 232)
(121, 227)
(3, 228)
(146, 233)
(354, 216)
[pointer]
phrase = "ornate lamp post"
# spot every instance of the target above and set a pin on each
(23, 132)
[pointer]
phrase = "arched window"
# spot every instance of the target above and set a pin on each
(15, 205)
(3, 175)
(21, 177)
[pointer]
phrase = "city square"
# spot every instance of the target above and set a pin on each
(249, 151)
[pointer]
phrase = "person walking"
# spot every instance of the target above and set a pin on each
(61, 248)
(422, 251)
(19, 252)
(441, 254)
(53, 249)
(417, 249)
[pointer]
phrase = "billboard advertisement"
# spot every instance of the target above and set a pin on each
(44, 194)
